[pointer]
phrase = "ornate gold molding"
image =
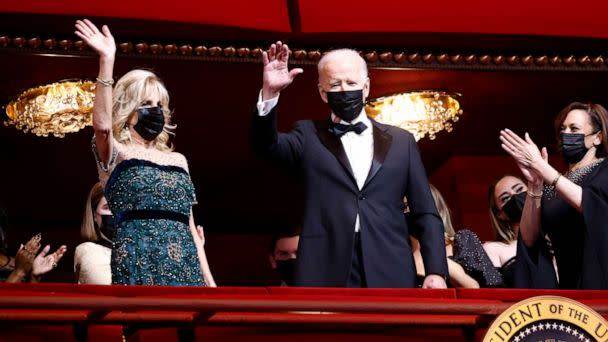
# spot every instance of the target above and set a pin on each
(388, 59)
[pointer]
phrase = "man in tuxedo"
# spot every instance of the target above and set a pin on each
(356, 173)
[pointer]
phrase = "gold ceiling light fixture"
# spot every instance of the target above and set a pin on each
(422, 113)
(57, 108)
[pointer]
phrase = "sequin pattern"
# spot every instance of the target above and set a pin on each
(469, 253)
(577, 176)
(152, 251)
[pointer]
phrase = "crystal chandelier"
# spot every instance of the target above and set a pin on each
(421, 113)
(57, 108)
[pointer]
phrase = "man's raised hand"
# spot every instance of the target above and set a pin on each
(277, 75)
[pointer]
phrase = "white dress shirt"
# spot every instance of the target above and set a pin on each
(359, 148)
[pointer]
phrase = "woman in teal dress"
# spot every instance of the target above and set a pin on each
(147, 185)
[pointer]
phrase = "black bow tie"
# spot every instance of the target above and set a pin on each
(341, 129)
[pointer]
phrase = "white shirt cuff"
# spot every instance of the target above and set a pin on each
(264, 107)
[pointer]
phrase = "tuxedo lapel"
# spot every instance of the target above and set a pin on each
(382, 143)
(334, 145)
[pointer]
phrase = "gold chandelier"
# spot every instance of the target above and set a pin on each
(421, 113)
(57, 108)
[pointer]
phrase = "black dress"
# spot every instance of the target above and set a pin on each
(579, 240)
(469, 253)
(507, 270)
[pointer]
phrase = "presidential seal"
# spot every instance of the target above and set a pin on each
(548, 319)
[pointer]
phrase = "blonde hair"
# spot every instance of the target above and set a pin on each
(87, 228)
(444, 213)
(128, 95)
(502, 228)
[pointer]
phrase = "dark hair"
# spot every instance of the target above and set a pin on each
(598, 116)
(282, 235)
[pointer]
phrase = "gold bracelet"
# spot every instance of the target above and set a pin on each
(533, 195)
(554, 183)
(107, 83)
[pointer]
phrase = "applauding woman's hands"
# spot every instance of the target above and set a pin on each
(30, 263)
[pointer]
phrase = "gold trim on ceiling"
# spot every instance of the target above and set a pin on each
(382, 59)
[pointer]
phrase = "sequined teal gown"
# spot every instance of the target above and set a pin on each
(153, 244)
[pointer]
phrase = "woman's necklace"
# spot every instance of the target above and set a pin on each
(575, 176)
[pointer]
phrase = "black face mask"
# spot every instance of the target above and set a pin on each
(573, 147)
(346, 104)
(150, 122)
(514, 207)
(286, 269)
(107, 226)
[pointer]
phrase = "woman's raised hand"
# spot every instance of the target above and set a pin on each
(100, 41)
(26, 255)
(44, 262)
(525, 152)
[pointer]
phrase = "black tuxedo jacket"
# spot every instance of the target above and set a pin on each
(333, 201)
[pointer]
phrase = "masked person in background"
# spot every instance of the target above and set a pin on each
(468, 263)
(506, 198)
(356, 173)
(92, 257)
(147, 185)
(571, 208)
(283, 254)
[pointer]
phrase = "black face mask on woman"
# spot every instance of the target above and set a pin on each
(107, 226)
(514, 207)
(150, 122)
(573, 147)
(346, 104)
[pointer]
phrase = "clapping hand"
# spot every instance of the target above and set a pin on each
(44, 263)
(102, 42)
(28, 262)
(525, 152)
(277, 75)
(26, 254)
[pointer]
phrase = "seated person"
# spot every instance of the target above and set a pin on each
(282, 255)
(92, 257)
(468, 265)
(506, 198)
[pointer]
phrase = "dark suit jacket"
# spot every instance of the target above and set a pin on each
(332, 201)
